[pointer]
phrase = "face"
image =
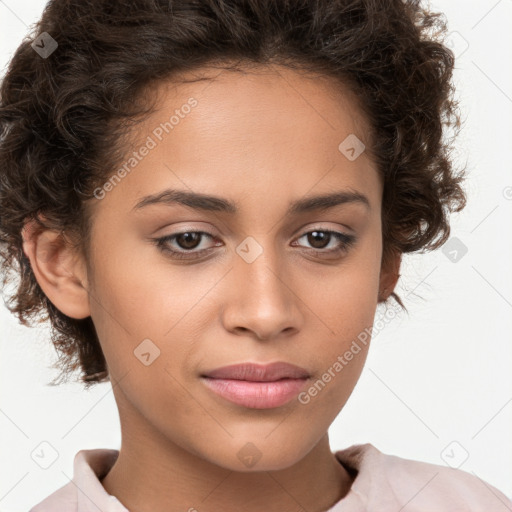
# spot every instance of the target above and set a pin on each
(179, 288)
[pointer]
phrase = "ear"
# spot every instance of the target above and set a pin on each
(59, 270)
(389, 274)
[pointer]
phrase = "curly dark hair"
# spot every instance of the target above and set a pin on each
(64, 116)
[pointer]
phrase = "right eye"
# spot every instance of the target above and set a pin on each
(187, 240)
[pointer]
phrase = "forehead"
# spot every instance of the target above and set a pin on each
(273, 105)
(239, 133)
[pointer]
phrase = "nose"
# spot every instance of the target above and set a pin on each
(265, 301)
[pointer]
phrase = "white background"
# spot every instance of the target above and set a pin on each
(437, 386)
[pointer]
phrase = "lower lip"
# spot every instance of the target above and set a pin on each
(256, 395)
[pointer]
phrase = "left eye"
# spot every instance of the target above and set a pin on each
(323, 237)
(188, 241)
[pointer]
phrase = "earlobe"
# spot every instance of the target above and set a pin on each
(59, 271)
(390, 273)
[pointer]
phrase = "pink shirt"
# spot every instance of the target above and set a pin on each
(384, 483)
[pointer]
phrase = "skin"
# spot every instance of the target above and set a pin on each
(262, 138)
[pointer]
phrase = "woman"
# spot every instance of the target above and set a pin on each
(209, 200)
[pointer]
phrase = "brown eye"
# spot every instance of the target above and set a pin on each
(188, 240)
(184, 245)
(319, 239)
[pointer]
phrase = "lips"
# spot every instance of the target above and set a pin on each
(258, 372)
(257, 386)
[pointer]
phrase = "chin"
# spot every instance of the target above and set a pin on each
(245, 456)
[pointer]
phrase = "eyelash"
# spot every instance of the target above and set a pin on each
(346, 242)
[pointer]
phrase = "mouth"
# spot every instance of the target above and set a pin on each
(257, 386)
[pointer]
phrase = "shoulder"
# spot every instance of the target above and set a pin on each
(397, 482)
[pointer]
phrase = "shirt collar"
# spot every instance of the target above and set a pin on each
(89, 467)
(371, 486)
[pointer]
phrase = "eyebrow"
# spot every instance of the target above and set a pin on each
(211, 203)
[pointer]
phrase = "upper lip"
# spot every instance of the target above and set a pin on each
(259, 372)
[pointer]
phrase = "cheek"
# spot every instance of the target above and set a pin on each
(348, 310)
(142, 305)
(345, 297)
(142, 322)
(346, 303)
